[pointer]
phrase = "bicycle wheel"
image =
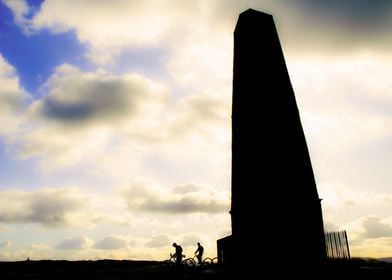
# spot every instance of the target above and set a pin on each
(189, 262)
(210, 261)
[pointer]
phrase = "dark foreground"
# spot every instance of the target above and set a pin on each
(145, 270)
(104, 269)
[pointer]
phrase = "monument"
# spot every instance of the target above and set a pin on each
(275, 211)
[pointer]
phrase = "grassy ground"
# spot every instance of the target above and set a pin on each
(146, 270)
(103, 269)
(358, 268)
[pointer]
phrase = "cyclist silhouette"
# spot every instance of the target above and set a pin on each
(178, 253)
(199, 251)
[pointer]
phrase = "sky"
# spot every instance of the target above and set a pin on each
(115, 122)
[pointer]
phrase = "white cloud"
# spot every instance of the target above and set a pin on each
(5, 228)
(190, 240)
(111, 243)
(12, 97)
(127, 126)
(82, 114)
(330, 226)
(46, 206)
(75, 243)
(5, 244)
(201, 113)
(373, 248)
(342, 205)
(347, 94)
(196, 34)
(129, 23)
(20, 10)
(82, 117)
(152, 199)
(157, 241)
(187, 188)
(375, 227)
(370, 236)
(77, 98)
(344, 103)
(364, 215)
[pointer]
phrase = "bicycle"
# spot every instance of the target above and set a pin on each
(191, 262)
(188, 262)
(210, 261)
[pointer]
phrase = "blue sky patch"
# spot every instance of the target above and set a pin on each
(36, 56)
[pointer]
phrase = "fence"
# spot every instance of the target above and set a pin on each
(336, 243)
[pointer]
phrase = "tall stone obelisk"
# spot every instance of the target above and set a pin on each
(276, 211)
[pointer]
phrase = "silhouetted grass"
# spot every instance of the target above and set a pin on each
(102, 269)
(356, 268)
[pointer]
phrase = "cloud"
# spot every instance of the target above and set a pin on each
(370, 236)
(82, 116)
(206, 28)
(347, 204)
(333, 27)
(129, 23)
(98, 109)
(20, 10)
(142, 198)
(330, 226)
(362, 214)
(343, 103)
(77, 98)
(354, 14)
(371, 248)
(111, 243)
(190, 240)
(74, 243)
(12, 97)
(201, 113)
(5, 228)
(158, 241)
(46, 206)
(375, 227)
(187, 188)
(5, 244)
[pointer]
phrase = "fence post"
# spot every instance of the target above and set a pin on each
(348, 248)
(336, 243)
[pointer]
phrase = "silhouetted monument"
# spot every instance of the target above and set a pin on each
(276, 212)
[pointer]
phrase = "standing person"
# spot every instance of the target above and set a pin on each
(199, 252)
(178, 253)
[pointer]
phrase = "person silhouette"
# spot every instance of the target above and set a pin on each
(199, 252)
(178, 253)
